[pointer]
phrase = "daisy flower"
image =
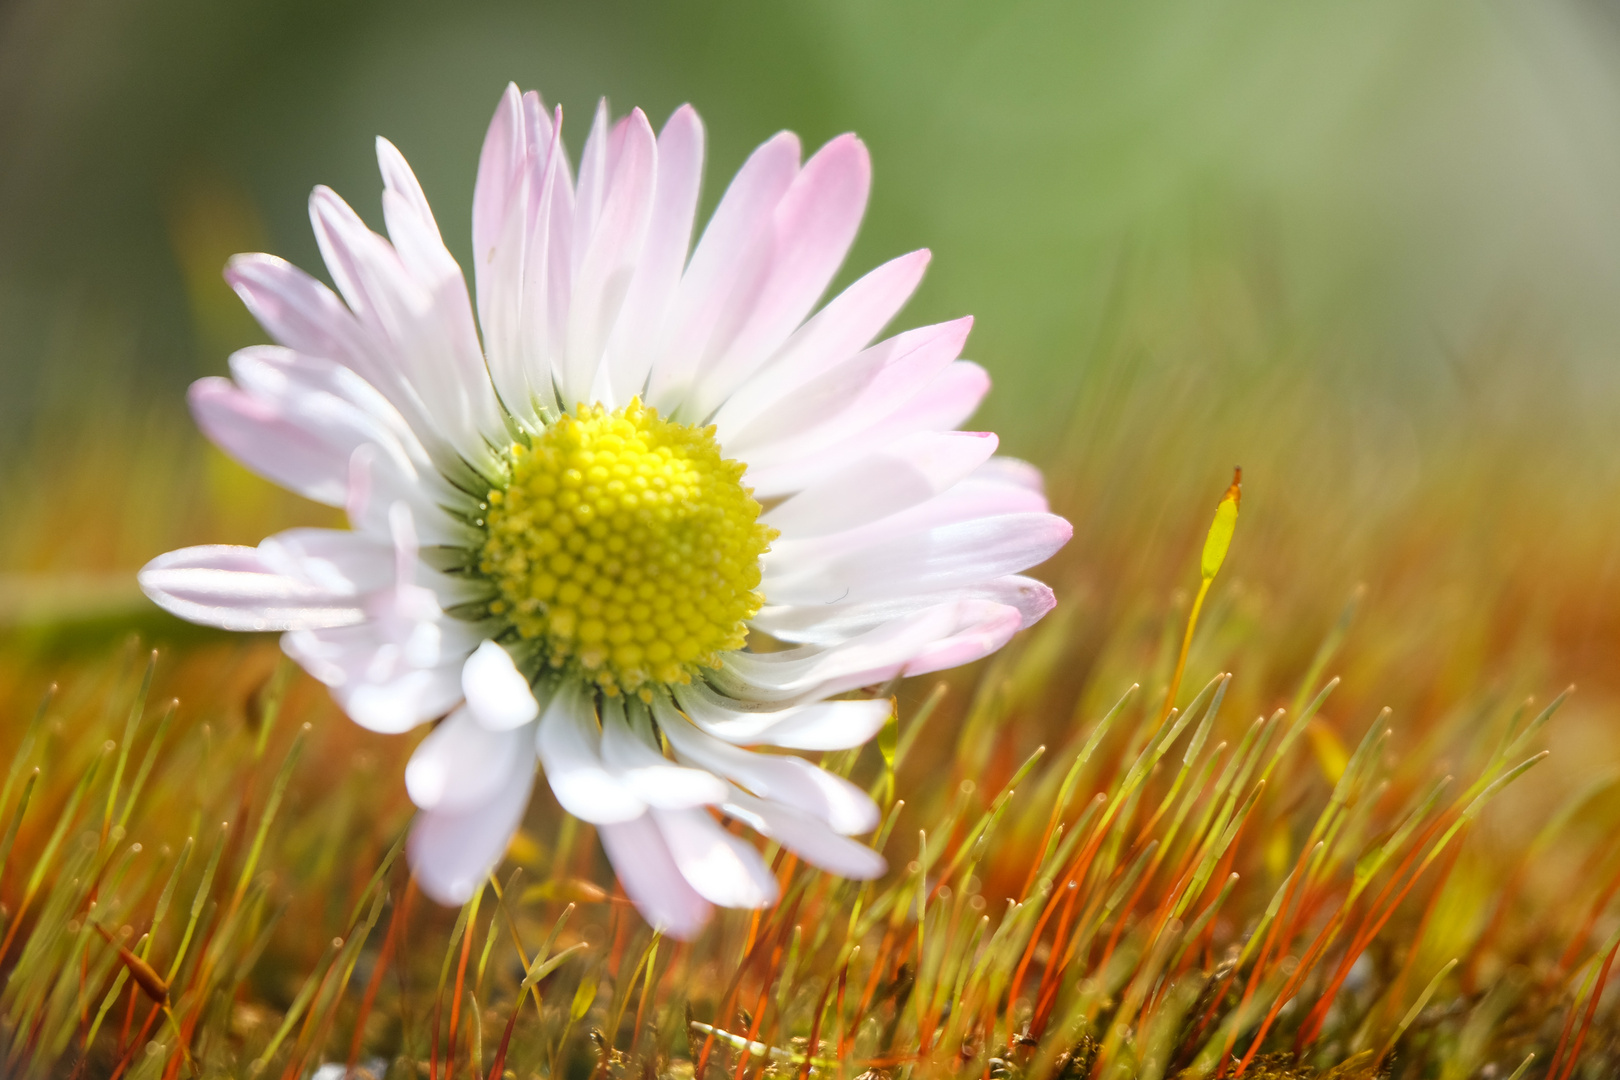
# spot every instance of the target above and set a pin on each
(576, 500)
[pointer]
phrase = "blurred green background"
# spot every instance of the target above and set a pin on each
(1389, 179)
(1369, 250)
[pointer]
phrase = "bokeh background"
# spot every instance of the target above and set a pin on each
(1379, 185)
(1368, 250)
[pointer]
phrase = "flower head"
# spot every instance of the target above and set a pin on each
(624, 547)
(571, 510)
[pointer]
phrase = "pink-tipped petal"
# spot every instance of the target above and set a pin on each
(811, 232)
(284, 375)
(725, 268)
(296, 420)
(509, 179)
(959, 631)
(411, 227)
(591, 192)
(416, 239)
(981, 496)
(421, 324)
(829, 340)
(628, 356)
(272, 444)
(611, 251)
(297, 310)
(979, 635)
(894, 389)
(909, 471)
(303, 579)
(944, 557)
(830, 624)
(500, 179)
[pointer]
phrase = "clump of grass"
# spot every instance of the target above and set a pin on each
(214, 887)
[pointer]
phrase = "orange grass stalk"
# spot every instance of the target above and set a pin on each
(395, 922)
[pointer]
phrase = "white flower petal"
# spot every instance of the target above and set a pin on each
(497, 693)
(414, 233)
(788, 780)
(931, 559)
(300, 312)
(846, 398)
(979, 635)
(260, 589)
(344, 562)
(641, 859)
(569, 744)
(385, 681)
(275, 373)
(904, 473)
(497, 192)
(391, 705)
(402, 665)
(723, 869)
(296, 420)
(938, 637)
(548, 267)
(943, 404)
(655, 779)
(829, 624)
(452, 851)
(999, 486)
(824, 725)
(379, 481)
(381, 302)
(270, 443)
(843, 434)
(608, 256)
(512, 231)
(462, 764)
(423, 324)
(806, 837)
(591, 191)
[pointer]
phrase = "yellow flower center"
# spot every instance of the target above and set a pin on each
(626, 547)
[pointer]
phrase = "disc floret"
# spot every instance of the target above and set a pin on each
(626, 547)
